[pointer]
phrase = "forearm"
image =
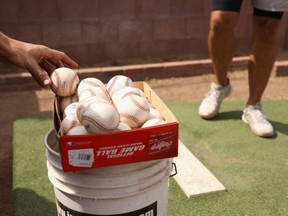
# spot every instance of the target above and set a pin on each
(16, 52)
(39, 60)
(5, 48)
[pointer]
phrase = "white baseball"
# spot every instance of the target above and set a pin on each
(154, 113)
(94, 91)
(123, 92)
(70, 109)
(123, 127)
(65, 101)
(78, 130)
(142, 94)
(82, 105)
(88, 83)
(117, 82)
(100, 117)
(153, 122)
(68, 123)
(64, 81)
(134, 110)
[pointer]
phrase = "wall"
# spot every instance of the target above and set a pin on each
(119, 31)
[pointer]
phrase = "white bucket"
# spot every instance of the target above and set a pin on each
(127, 190)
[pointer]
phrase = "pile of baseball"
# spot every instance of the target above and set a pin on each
(91, 107)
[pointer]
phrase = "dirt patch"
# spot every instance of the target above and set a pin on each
(29, 103)
(194, 88)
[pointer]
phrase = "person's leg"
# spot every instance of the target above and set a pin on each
(266, 27)
(262, 56)
(221, 45)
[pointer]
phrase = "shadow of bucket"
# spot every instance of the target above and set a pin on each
(127, 190)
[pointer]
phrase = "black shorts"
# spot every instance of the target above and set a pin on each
(235, 5)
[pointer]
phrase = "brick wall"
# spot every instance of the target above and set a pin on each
(114, 31)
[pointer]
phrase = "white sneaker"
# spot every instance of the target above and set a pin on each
(211, 104)
(253, 115)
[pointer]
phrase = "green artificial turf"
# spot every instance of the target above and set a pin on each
(32, 192)
(254, 170)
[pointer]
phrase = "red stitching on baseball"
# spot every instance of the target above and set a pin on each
(58, 81)
(112, 84)
(97, 124)
(128, 94)
(71, 84)
(128, 81)
(133, 118)
(89, 82)
(138, 104)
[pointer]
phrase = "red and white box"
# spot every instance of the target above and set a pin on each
(136, 145)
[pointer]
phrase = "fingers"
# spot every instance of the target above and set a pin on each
(60, 64)
(48, 67)
(69, 61)
(59, 58)
(42, 78)
(40, 73)
(52, 59)
(44, 61)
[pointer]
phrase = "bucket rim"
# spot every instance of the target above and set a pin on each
(49, 133)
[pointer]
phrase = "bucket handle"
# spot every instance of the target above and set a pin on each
(174, 170)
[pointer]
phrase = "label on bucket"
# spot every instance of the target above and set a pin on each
(150, 210)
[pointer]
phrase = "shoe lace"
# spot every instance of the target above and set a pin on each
(214, 94)
(256, 114)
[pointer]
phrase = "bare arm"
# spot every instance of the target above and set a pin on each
(39, 60)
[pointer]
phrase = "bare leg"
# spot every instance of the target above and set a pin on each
(262, 57)
(221, 47)
(221, 43)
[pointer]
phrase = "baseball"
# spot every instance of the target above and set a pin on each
(100, 117)
(82, 105)
(123, 127)
(117, 82)
(153, 122)
(142, 94)
(88, 83)
(64, 81)
(65, 101)
(134, 110)
(123, 92)
(154, 113)
(68, 123)
(78, 130)
(70, 109)
(94, 91)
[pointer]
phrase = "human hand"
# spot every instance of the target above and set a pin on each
(39, 60)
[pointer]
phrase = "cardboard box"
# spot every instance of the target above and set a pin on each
(140, 144)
